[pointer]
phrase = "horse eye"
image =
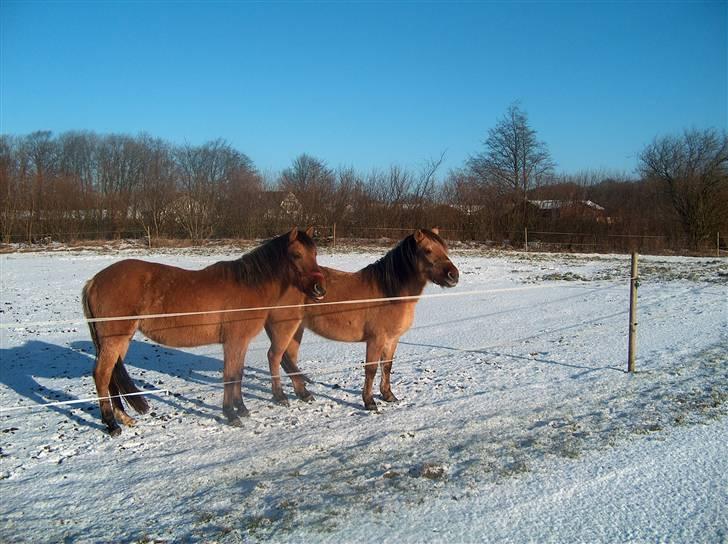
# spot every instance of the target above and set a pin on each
(428, 251)
(296, 255)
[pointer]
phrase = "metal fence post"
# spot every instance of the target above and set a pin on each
(633, 283)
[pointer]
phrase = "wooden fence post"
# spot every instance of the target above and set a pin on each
(633, 283)
(717, 244)
(334, 237)
(525, 237)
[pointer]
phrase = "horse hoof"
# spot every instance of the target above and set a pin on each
(371, 406)
(390, 398)
(305, 396)
(235, 422)
(124, 418)
(115, 431)
(243, 412)
(283, 401)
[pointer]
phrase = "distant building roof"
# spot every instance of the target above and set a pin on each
(557, 204)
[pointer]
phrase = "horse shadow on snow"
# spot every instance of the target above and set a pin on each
(44, 373)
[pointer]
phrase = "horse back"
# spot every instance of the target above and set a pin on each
(136, 288)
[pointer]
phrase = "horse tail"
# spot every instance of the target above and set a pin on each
(125, 385)
(88, 314)
(119, 376)
(292, 368)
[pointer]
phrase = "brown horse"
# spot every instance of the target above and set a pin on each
(284, 265)
(403, 271)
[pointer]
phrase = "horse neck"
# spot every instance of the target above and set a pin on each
(280, 287)
(269, 290)
(415, 287)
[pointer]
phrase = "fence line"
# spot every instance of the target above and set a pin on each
(596, 235)
(79, 401)
(199, 387)
(78, 233)
(348, 227)
(323, 372)
(329, 371)
(266, 308)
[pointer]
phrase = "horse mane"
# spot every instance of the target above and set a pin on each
(397, 269)
(265, 262)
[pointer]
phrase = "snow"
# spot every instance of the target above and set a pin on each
(516, 422)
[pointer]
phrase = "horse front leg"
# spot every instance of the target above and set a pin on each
(385, 386)
(374, 356)
(275, 353)
(233, 407)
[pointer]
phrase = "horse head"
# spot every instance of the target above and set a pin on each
(433, 259)
(307, 275)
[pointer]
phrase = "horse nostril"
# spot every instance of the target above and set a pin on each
(453, 277)
(318, 290)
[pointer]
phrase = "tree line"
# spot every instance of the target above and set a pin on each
(83, 185)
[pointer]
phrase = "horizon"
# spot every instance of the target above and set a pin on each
(368, 85)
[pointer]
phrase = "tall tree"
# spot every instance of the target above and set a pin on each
(514, 160)
(693, 170)
(312, 181)
(205, 173)
(157, 183)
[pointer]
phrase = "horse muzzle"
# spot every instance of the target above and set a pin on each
(318, 292)
(451, 280)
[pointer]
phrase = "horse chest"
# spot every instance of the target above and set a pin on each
(391, 322)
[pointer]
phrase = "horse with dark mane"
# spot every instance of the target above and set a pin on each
(134, 289)
(402, 272)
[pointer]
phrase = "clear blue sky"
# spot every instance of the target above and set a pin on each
(368, 84)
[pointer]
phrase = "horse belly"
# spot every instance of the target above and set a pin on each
(340, 327)
(178, 335)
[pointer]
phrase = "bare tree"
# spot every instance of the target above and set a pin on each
(424, 191)
(157, 183)
(10, 192)
(347, 201)
(313, 183)
(120, 169)
(241, 210)
(693, 170)
(40, 155)
(514, 160)
(204, 173)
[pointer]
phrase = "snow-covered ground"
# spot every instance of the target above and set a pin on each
(516, 422)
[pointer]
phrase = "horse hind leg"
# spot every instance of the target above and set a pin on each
(105, 361)
(118, 406)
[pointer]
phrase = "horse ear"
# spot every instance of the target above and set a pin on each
(293, 234)
(419, 236)
(309, 231)
(435, 230)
